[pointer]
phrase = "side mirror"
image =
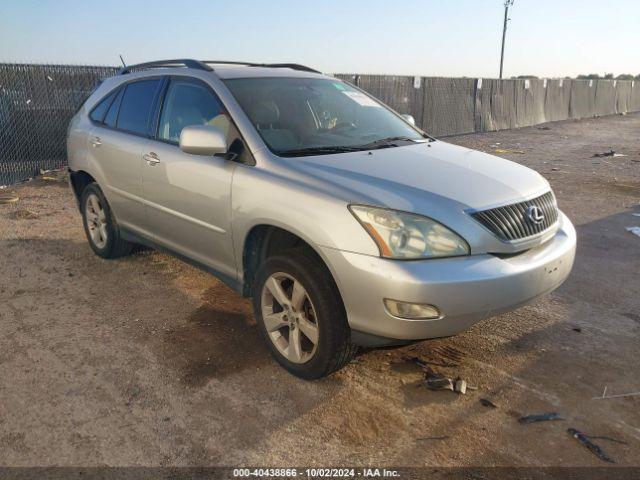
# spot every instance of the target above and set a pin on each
(409, 119)
(203, 140)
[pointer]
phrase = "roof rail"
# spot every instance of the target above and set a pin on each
(228, 62)
(293, 66)
(185, 62)
(204, 65)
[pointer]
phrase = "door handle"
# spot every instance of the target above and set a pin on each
(151, 158)
(95, 141)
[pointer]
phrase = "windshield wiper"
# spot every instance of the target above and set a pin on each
(389, 142)
(301, 152)
(382, 143)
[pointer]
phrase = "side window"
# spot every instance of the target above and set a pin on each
(97, 114)
(112, 114)
(189, 103)
(135, 106)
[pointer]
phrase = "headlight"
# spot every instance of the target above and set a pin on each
(408, 236)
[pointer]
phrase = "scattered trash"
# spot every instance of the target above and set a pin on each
(604, 437)
(443, 437)
(435, 381)
(620, 395)
(577, 329)
(460, 386)
(593, 448)
(54, 175)
(508, 150)
(25, 215)
(555, 169)
(544, 417)
(487, 403)
(610, 153)
(4, 199)
(544, 127)
(634, 230)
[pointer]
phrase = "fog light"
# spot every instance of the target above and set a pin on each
(411, 311)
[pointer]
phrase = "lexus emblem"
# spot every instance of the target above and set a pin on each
(535, 214)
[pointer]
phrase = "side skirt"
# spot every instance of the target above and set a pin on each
(226, 279)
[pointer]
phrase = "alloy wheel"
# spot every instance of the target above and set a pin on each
(96, 221)
(289, 317)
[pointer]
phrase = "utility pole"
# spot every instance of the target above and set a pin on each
(507, 4)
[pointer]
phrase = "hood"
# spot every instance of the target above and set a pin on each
(441, 181)
(406, 177)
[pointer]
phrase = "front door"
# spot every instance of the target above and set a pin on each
(188, 197)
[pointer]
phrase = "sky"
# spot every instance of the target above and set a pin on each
(547, 38)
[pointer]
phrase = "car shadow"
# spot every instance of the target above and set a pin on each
(214, 342)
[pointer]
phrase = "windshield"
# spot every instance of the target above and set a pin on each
(314, 116)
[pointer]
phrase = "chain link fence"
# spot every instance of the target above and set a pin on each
(37, 102)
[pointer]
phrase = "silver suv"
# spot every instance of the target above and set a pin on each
(346, 224)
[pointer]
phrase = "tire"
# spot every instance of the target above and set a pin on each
(322, 307)
(100, 225)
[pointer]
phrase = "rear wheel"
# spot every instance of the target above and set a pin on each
(100, 226)
(301, 315)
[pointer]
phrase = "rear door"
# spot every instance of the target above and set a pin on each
(188, 197)
(117, 138)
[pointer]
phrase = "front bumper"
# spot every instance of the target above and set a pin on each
(465, 289)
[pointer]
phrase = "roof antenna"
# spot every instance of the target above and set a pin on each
(122, 60)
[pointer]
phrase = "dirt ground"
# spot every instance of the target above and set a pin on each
(148, 361)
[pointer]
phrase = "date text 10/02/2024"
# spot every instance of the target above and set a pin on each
(316, 472)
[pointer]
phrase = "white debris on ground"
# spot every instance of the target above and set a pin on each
(634, 230)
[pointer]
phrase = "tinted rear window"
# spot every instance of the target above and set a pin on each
(112, 114)
(97, 114)
(136, 104)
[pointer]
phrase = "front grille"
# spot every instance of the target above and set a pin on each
(513, 222)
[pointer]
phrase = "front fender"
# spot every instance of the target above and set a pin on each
(260, 197)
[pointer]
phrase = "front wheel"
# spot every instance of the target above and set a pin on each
(301, 316)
